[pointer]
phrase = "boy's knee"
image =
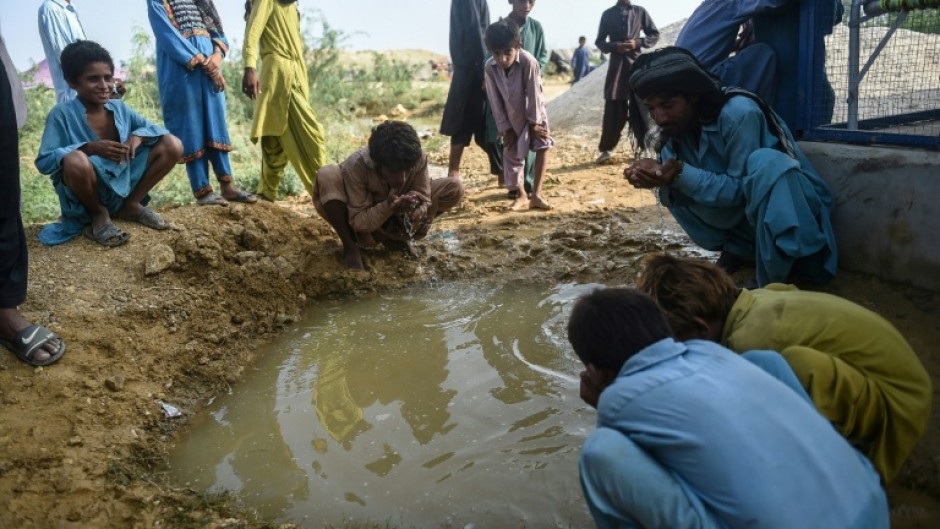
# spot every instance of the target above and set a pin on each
(76, 165)
(171, 145)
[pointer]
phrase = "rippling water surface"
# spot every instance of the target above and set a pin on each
(454, 405)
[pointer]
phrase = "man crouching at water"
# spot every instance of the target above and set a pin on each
(692, 435)
(383, 192)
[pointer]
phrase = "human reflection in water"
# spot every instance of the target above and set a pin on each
(368, 368)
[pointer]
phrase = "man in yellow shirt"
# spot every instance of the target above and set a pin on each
(283, 119)
(859, 371)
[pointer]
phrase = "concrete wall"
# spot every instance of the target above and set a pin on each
(887, 215)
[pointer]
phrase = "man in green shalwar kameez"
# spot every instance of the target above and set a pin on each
(283, 120)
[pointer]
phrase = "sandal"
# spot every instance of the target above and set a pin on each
(109, 236)
(243, 197)
(212, 199)
(150, 219)
(28, 341)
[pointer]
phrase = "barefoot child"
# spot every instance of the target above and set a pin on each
(514, 89)
(383, 193)
(102, 156)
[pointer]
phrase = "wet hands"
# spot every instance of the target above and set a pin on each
(407, 202)
(593, 382)
(647, 173)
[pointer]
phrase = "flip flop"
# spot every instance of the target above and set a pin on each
(150, 219)
(28, 341)
(243, 197)
(212, 199)
(110, 236)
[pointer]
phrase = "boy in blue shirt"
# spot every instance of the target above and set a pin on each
(692, 435)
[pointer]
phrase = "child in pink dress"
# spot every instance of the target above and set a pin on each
(514, 88)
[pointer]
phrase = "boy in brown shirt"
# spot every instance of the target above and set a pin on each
(383, 192)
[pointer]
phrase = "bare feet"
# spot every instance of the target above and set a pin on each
(353, 259)
(12, 322)
(520, 203)
(537, 203)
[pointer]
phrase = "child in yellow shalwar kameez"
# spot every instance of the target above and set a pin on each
(283, 120)
(857, 368)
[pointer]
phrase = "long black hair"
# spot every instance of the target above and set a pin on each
(248, 6)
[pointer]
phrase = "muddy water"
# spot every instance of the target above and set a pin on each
(451, 405)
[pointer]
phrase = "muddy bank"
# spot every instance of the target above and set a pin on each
(82, 442)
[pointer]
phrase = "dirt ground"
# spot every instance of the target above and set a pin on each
(82, 442)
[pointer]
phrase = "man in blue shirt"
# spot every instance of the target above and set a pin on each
(730, 172)
(58, 27)
(580, 61)
(691, 435)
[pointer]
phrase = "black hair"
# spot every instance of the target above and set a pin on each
(78, 55)
(582, 37)
(394, 145)
(501, 35)
(610, 325)
(248, 6)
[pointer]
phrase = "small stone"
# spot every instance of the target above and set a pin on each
(114, 382)
(91, 384)
(75, 441)
(245, 257)
(160, 258)
(203, 360)
(284, 268)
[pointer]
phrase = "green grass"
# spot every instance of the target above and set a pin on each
(343, 99)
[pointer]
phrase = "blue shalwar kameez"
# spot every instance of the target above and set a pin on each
(193, 110)
(740, 192)
(692, 435)
(66, 131)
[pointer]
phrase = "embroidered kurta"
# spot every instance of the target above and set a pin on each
(272, 34)
(739, 192)
(66, 131)
(859, 370)
(192, 109)
(618, 24)
(58, 27)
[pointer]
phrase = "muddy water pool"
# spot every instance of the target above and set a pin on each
(450, 406)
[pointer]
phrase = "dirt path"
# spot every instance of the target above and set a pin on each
(82, 442)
